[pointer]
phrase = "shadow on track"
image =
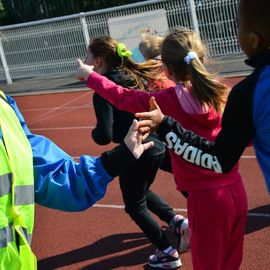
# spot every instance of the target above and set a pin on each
(258, 218)
(106, 246)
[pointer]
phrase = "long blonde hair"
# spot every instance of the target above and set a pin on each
(150, 45)
(142, 73)
(205, 85)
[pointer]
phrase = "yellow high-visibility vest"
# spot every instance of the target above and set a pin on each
(16, 193)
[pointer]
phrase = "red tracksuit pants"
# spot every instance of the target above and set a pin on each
(217, 219)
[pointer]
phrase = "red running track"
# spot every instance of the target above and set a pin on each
(103, 237)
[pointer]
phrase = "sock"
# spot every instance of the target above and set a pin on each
(167, 250)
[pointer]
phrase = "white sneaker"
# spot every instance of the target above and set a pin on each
(181, 231)
(162, 260)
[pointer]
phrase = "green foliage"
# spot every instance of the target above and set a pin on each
(18, 11)
(2, 13)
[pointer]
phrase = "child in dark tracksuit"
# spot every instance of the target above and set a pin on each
(112, 125)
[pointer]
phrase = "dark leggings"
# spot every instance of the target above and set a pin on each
(139, 199)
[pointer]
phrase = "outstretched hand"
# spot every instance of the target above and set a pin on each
(83, 71)
(150, 121)
(134, 140)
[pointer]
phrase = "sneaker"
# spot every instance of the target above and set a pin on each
(181, 231)
(165, 261)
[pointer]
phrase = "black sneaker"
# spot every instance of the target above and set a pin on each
(164, 261)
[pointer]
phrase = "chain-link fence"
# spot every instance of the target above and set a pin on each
(51, 46)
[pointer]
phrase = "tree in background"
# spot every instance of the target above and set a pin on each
(2, 13)
(19, 11)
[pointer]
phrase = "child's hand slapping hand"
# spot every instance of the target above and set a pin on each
(150, 121)
(83, 71)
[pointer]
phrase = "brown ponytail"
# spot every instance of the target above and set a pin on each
(205, 86)
(142, 73)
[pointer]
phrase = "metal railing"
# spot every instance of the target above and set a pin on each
(46, 47)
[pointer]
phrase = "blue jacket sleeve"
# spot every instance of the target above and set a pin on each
(60, 182)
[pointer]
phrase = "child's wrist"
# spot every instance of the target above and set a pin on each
(87, 74)
(162, 125)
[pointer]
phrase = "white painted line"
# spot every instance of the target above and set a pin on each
(89, 105)
(51, 113)
(122, 207)
(109, 206)
(175, 209)
(61, 128)
(52, 91)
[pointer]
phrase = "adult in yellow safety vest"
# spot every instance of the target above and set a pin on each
(31, 170)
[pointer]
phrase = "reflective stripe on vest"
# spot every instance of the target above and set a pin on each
(5, 184)
(16, 193)
(23, 194)
(6, 235)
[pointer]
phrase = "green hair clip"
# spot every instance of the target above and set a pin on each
(122, 50)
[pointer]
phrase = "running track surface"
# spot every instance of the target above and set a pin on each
(104, 237)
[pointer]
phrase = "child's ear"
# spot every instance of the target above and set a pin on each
(100, 65)
(98, 62)
(256, 40)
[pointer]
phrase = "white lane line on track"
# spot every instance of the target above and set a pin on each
(89, 105)
(122, 207)
(61, 128)
(175, 209)
(52, 114)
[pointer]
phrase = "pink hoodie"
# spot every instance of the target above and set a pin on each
(188, 177)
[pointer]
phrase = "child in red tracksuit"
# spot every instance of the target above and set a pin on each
(217, 203)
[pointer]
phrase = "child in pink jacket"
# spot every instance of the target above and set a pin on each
(217, 203)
